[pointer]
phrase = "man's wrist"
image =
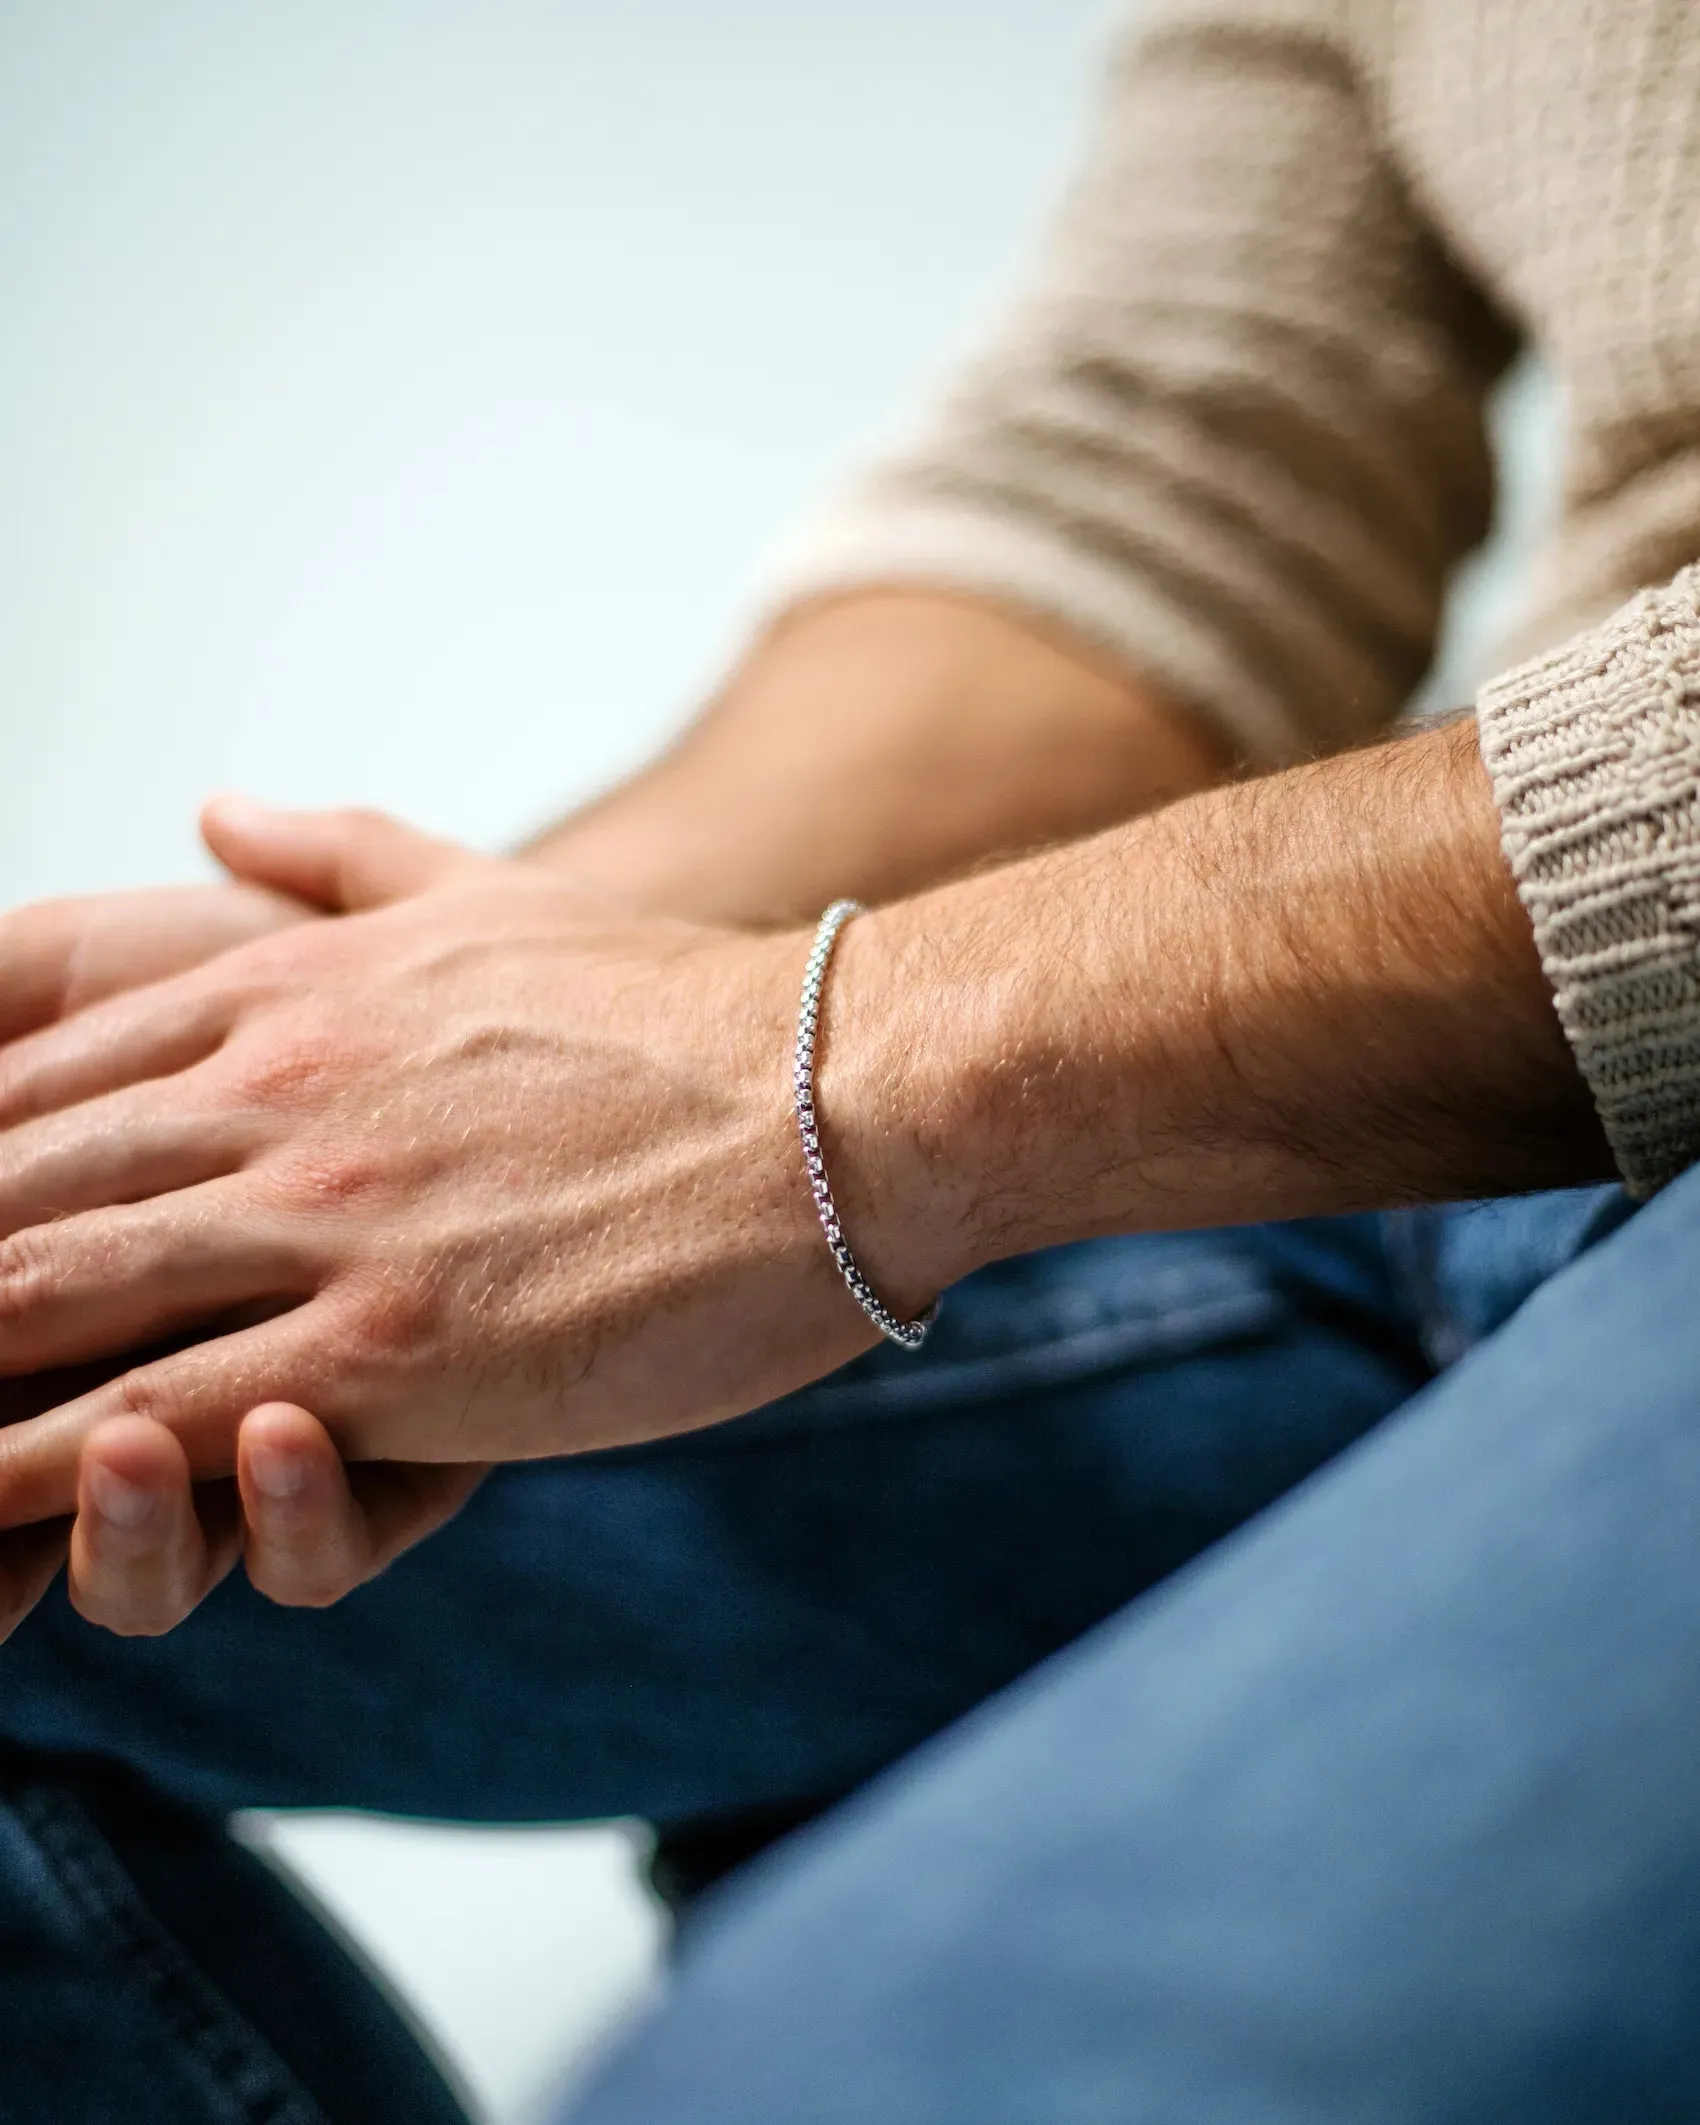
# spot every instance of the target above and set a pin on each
(1312, 994)
(889, 1098)
(941, 1114)
(970, 1061)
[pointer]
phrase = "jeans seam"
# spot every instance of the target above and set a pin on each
(233, 2056)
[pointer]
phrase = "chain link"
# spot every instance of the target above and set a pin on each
(909, 1335)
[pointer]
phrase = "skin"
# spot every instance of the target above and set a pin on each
(501, 1162)
(876, 746)
(757, 816)
(60, 956)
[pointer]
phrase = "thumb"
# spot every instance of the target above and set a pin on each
(340, 861)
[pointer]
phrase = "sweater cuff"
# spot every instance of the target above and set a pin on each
(1594, 754)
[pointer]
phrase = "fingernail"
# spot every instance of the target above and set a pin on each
(117, 1499)
(276, 1474)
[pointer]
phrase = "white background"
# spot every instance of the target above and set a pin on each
(395, 398)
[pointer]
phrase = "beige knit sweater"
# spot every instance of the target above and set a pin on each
(1232, 433)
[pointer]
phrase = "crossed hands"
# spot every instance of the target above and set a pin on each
(480, 1168)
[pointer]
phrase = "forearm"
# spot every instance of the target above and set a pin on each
(1312, 993)
(874, 746)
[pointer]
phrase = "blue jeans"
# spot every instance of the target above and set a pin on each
(1387, 1806)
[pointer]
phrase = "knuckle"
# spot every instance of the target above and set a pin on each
(330, 1180)
(312, 1592)
(285, 1068)
(154, 1622)
(128, 1612)
(309, 1579)
(391, 1312)
(91, 1604)
(150, 1393)
(29, 1275)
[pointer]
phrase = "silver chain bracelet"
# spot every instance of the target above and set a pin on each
(909, 1334)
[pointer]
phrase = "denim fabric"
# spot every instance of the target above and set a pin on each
(771, 1613)
(151, 1968)
(1386, 1810)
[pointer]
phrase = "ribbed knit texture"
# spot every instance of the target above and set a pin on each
(1232, 435)
(1594, 752)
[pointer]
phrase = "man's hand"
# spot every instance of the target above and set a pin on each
(492, 1169)
(485, 1170)
(938, 731)
(308, 1531)
(147, 1544)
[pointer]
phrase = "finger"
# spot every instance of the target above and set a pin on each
(60, 956)
(140, 1557)
(305, 1541)
(127, 940)
(315, 1530)
(122, 1148)
(107, 1281)
(30, 1558)
(200, 1394)
(37, 946)
(149, 1033)
(344, 860)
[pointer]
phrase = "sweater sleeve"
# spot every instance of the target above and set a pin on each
(1594, 751)
(1232, 433)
